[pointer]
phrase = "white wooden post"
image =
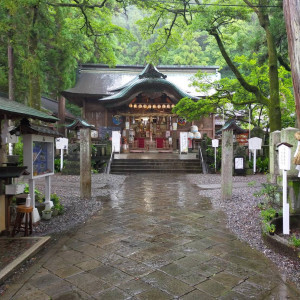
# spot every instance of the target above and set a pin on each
(254, 144)
(215, 144)
(48, 202)
(284, 158)
(254, 161)
(35, 214)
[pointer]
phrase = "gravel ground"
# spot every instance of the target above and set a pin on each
(77, 211)
(243, 218)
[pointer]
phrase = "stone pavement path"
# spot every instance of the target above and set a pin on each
(155, 238)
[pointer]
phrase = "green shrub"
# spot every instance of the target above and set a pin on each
(295, 241)
(269, 194)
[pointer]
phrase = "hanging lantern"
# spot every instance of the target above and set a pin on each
(159, 106)
(190, 135)
(197, 135)
(145, 105)
(163, 106)
(154, 106)
(168, 106)
(140, 106)
(149, 106)
(135, 106)
(130, 105)
(173, 105)
(194, 128)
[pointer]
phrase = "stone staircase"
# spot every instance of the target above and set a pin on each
(125, 166)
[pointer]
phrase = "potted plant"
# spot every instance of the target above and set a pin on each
(46, 214)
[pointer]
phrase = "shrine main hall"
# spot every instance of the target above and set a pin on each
(138, 102)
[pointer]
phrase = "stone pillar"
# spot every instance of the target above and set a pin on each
(275, 138)
(85, 163)
(288, 136)
(227, 161)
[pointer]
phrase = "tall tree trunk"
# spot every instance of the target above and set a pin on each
(34, 77)
(292, 21)
(10, 58)
(274, 107)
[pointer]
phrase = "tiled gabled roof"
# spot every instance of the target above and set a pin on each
(15, 109)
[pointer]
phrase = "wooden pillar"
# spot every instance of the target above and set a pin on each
(85, 163)
(227, 164)
(62, 115)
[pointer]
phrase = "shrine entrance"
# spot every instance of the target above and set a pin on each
(149, 133)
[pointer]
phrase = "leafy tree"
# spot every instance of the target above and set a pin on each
(50, 38)
(222, 21)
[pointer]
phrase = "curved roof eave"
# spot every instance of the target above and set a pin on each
(144, 84)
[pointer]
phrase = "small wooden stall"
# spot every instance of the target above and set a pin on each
(11, 110)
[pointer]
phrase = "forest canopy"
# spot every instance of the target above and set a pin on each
(246, 38)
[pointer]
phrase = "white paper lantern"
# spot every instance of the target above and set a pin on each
(197, 135)
(190, 135)
(194, 128)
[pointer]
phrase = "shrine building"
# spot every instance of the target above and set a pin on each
(138, 102)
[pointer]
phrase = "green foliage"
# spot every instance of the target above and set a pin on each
(57, 165)
(262, 165)
(268, 228)
(56, 204)
(50, 39)
(268, 214)
(18, 150)
(295, 241)
(38, 194)
(269, 194)
(252, 183)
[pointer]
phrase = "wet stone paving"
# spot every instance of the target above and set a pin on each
(155, 238)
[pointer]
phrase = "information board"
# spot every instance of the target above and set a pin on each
(61, 143)
(183, 142)
(255, 143)
(284, 157)
(215, 143)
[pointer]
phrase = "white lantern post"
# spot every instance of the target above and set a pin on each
(215, 144)
(284, 160)
(254, 144)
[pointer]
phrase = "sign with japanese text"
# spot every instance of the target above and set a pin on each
(255, 143)
(183, 142)
(284, 157)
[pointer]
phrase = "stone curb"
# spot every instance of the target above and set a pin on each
(10, 268)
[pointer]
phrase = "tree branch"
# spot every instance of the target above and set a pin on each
(248, 87)
(78, 5)
(283, 63)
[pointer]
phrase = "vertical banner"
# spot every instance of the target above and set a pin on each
(183, 142)
(116, 141)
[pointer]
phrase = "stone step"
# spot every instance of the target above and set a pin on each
(123, 166)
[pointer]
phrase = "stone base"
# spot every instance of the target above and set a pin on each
(293, 192)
